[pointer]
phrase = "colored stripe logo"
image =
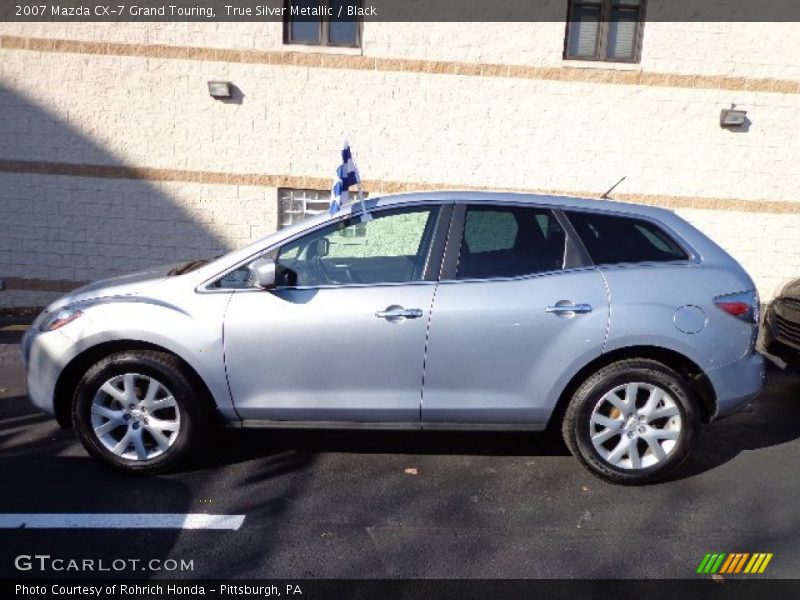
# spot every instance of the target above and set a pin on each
(734, 563)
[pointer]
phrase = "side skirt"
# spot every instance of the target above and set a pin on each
(265, 424)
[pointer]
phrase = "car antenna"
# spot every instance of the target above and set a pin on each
(611, 189)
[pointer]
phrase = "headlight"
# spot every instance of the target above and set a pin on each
(59, 318)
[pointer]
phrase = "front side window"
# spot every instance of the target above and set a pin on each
(510, 242)
(610, 239)
(606, 30)
(390, 248)
(322, 23)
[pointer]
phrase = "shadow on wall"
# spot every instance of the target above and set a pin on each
(237, 95)
(59, 220)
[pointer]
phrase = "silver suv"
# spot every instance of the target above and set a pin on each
(621, 324)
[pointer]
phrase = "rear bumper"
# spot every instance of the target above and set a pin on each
(737, 384)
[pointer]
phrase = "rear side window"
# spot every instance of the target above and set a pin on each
(610, 239)
(509, 242)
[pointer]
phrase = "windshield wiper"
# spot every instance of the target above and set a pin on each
(188, 267)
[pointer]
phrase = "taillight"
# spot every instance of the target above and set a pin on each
(743, 305)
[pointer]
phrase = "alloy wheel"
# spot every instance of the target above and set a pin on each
(135, 417)
(635, 425)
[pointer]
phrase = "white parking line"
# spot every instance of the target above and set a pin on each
(120, 521)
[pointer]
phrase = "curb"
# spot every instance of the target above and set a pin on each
(15, 323)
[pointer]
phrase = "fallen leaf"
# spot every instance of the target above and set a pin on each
(587, 516)
(411, 471)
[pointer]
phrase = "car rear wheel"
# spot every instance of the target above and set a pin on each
(138, 411)
(632, 422)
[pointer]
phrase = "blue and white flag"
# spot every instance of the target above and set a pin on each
(346, 177)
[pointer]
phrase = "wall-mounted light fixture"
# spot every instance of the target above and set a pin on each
(732, 118)
(219, 89)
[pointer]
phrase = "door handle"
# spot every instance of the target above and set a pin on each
(565, 308)
(396, 313)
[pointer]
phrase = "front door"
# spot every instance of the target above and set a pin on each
(342, 337)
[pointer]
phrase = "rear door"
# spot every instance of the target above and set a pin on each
(517, 312)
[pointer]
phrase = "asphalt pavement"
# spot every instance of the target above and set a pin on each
(403, 504)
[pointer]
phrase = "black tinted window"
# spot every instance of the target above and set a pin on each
(509, 242)
(612, 239)
(390, 248)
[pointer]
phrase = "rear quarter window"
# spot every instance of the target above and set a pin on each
(611, 239)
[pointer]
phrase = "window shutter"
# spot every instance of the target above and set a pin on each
(343, 31)
(622, 34)
(583, 31)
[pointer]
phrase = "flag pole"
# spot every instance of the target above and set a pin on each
(365, 216)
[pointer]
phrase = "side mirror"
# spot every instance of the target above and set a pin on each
(323, 247)
(262, 273)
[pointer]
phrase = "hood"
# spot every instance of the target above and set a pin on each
(122, 285)
(791, 290)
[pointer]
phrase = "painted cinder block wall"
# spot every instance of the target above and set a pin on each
(113, 156)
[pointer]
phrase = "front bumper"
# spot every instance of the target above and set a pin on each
(738, 384)
(44, 354)
(778, 344)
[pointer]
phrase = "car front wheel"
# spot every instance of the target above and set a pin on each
(632, 422)
(138, 411)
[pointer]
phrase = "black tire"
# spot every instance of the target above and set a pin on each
(193, 407)
(576, 427)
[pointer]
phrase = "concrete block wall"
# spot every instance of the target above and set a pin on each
(491, 131)
(742, 49)
(78, 229)
(767, 245)
(142, 166)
